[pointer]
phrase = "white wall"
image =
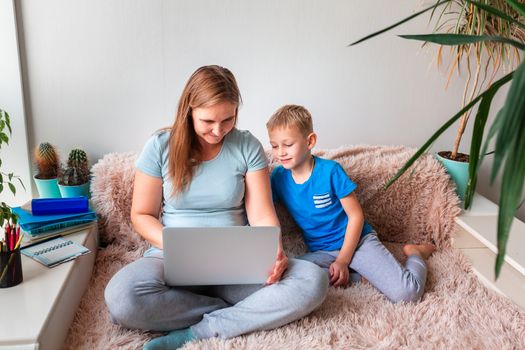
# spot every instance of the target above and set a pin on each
(15, 155)
(104, 75)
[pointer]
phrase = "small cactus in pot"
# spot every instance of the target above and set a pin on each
(74, 180)
(77, 169)
(47, 161)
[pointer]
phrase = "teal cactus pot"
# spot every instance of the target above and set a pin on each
(458, 171)
(74, 191)
(47, 188)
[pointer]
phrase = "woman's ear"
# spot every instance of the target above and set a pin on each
(311, 140)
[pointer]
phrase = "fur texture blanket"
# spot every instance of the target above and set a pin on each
(456, 311)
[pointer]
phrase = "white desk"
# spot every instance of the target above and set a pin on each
(41, 308)
(477, 238)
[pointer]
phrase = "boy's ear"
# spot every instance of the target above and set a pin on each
(311, 140)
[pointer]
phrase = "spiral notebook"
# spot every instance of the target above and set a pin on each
(55, 251)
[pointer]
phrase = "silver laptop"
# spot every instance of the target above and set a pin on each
(219, 255)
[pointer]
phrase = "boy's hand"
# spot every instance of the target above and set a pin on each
(338, 274)
(281, 264)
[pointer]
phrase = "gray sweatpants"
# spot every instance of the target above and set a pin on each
(375, 263)
(137, 297)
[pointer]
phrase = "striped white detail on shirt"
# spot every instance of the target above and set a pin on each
(323, 205)
(322, 200)
(321, 196)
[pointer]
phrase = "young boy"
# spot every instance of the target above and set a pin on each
(320, 196)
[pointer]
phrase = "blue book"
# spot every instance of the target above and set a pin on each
(58, 226)
(31, 239)
(30, 222)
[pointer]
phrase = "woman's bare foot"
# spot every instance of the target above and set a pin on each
(423, 250)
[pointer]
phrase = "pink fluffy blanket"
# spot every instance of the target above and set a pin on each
(456, 311)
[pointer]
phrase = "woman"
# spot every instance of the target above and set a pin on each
(173, 175)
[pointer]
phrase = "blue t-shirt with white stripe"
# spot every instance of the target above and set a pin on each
(315, 204)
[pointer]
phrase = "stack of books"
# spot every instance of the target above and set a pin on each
(44, 218)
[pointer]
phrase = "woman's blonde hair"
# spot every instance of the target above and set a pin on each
(207, 86)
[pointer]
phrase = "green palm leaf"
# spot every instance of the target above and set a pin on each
(475, 145)
(400, 22)
(462, 39)
(511, 188)
(520, 8)
(510, 121)
(513, 141)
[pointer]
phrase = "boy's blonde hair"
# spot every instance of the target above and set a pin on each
(292, 115)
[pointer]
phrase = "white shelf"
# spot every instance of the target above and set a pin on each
(484, 229)
(477, 238)
(42, 307)
(510, 283)
(481, 206)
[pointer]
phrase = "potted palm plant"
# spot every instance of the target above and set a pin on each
(47, 163)
(482, 61)
(507, 130)
(74, 180)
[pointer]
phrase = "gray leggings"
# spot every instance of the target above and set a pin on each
(137, 297)
(375, 263)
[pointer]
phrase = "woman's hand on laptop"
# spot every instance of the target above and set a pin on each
(281, 264)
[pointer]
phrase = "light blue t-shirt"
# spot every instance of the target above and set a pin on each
(315, 204)
(215, 196)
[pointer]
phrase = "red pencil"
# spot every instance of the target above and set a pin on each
(8, 236)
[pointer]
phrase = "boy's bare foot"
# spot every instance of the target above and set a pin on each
(423, 250)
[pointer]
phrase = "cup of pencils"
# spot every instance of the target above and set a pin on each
(10, 258)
